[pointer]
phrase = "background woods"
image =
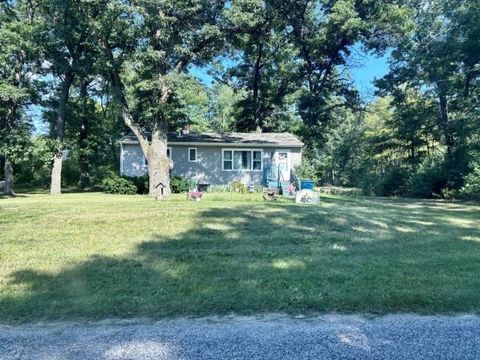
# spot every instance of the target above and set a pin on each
(76, 75)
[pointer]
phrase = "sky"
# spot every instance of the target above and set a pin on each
(366, 69)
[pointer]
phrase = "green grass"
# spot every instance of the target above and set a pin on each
(95, 256)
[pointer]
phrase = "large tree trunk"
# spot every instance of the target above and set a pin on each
(257, 73)
(56, 183)
(83, 138)
(445, 120)
(8, 170)
(158, 165)
(155, 151)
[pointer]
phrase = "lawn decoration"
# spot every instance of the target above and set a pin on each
(291, 190)
(270, 194)
(307, 197)
(194, 195)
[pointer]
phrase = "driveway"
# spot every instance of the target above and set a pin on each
(263, 337)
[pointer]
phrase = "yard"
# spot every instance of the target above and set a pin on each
(96, 256)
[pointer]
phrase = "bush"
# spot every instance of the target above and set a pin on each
(98, 174)
(430, 179)
(306, 170)
(450, 194)
(141, 183)
(391, 183)
(118, 185)
(471, 189)
(179, 184)
(238, 186)
(338, 190)
(220, 188)
(37, 170)
(229, 188)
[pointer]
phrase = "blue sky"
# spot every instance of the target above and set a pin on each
(368, 68)
(365, 68)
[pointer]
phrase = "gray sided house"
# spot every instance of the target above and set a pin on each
(219, 159)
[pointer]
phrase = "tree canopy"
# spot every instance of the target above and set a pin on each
(96, 69)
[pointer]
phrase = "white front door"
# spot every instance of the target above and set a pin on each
(282, 160)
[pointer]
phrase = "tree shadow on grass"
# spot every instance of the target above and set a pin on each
(341, 256)
(5, 197)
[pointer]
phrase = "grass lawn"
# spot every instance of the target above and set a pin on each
(96, 256)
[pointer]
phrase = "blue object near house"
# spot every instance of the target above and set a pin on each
(307, 184)
(273, 184)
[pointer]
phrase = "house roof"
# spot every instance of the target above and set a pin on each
(237, 139)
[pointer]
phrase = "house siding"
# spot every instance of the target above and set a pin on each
(132, 162)
(208, 168)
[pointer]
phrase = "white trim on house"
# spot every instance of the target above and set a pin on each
(196, 154)
(287, 151)
(121, 159)
(251, 159)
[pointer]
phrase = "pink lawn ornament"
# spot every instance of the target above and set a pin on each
(291, 189)
(194, 195)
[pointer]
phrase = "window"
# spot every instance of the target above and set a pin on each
(169, 152)
(242, 160)
(192, 154)
(257, 160)
(227, 160)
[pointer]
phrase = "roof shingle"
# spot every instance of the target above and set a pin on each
(264, 139)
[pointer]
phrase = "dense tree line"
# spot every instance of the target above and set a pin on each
(91, 70)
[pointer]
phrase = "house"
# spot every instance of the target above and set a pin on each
(217, 159)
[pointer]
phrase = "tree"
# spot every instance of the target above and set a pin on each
(91, 134)
(146, 61)
(325, 32)
(438, 62)
(192, 98)
(66, 36)
(222, 100)
(265, 68)
(16, 83)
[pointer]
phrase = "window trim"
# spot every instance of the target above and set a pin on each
(196, 154)
(251, 159)
(121, 159)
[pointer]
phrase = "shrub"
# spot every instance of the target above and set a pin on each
(338, 190)
(118, 185)
(220, 188)
(179, 184)
(450, 194)
(98, 174)
(229, 188)
(471, 189)
(430, 179)
(37, 170)
(141, 183)
(238, 186)
(306, 170)
(391, 183)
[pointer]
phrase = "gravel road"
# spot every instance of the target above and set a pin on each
(262, 337)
